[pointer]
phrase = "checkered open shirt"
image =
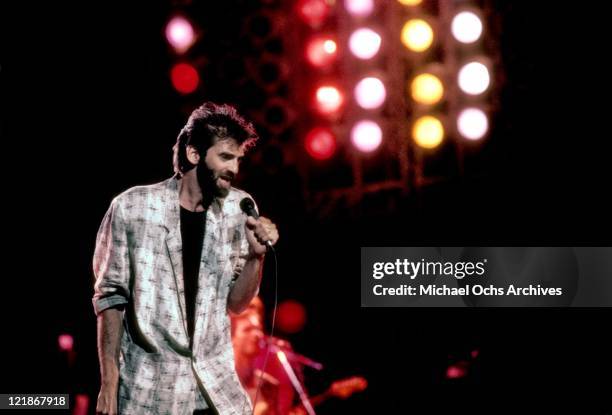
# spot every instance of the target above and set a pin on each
(138, 262)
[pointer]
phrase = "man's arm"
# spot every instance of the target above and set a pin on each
(110, 330)
(111, 268)
(258, 232)
(246, 285)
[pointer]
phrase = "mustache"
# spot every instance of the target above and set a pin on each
(229, 176)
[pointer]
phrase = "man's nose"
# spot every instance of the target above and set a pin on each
(233, 166)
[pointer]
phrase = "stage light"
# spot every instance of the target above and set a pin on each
(313, 12)
(65, 342)
(457, 371)
(472, 123)
(364, 43)
(474, 78)
(417, 35)
(185, 78)
(370, 93)
(329, 99)
(410, 2)
(321, 51)
(321, 143)
(291, 316)
(81, 404)
(466, 27)
(428, 132)
(359, 8)
(180, 34)
(366, 136)
(426, 89)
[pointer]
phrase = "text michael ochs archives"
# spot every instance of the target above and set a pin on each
(390, 276)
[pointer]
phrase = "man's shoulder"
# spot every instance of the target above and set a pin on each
(234, 197)
(238, 194)
(138, 194)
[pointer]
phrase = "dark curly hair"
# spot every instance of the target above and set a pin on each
(206, 125)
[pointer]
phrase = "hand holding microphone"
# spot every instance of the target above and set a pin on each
(262, 233)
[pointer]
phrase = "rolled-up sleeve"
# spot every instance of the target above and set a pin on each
(111, 261)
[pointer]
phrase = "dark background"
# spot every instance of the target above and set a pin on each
(88, 111)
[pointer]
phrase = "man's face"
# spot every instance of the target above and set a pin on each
(218, 169)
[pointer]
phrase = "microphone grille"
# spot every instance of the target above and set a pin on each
(247, 205)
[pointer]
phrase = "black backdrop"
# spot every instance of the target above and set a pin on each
(87, 111)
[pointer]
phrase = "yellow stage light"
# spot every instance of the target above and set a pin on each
(428, 131)
(426, 89)
(417, 35)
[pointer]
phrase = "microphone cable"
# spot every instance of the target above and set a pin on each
(274, 309)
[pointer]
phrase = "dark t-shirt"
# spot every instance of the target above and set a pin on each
(192, 234)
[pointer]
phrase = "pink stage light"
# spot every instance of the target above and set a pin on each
(366, 136)
(370, 93)
(65, 342)
(473, 123)
(180, 34)
(458, 370)
(364, 43)
(359, 8)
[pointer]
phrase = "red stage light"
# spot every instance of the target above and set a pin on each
(313, 12)
(291, 316)
(321, 143)
(185, 78)
(321, 51)
(81, 404)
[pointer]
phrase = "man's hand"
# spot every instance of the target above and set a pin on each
(107, 399)
(110, 330)
(258, 232)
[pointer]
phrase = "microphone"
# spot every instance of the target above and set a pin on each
(248, 206)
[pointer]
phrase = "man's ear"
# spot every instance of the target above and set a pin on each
(193, 156)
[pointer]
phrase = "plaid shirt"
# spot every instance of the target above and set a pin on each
(138, 262)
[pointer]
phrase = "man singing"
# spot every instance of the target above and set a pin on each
(171, 260)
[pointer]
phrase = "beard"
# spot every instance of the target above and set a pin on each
(208, 181)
